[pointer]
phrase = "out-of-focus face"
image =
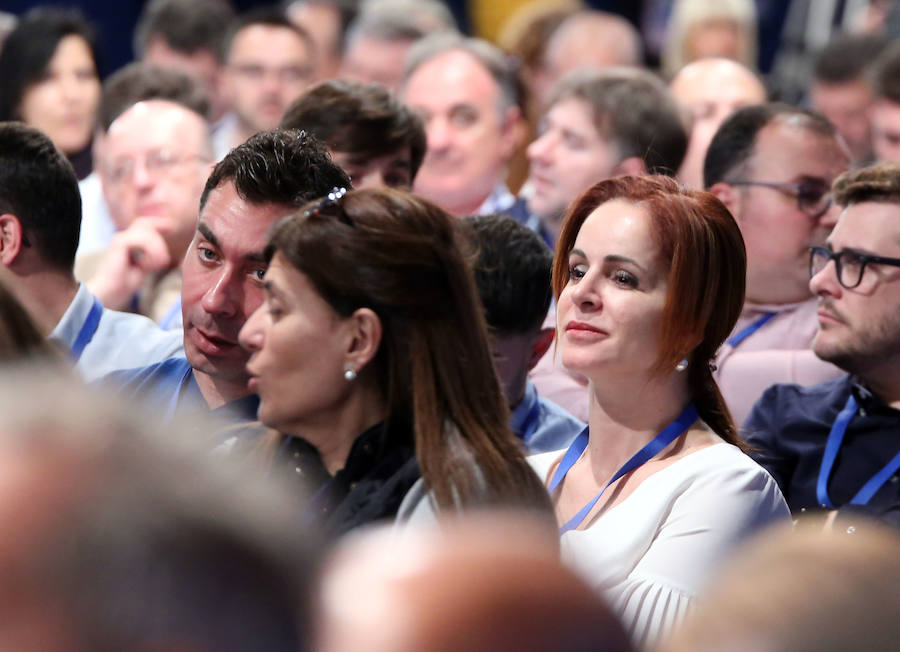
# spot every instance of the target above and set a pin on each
(847, 106)
(297, 344)
(512, 356)
(63, 104)
(322, 21)
(155, 160)
(859, 328)
(609, 314)
(375, 60)
(886, 130)
(391, 170)
(470, 137)
(567, 158)
(267, 68)
(776, 232)
(709, 91)
(202, 65)
(714, 38)
(222, 281)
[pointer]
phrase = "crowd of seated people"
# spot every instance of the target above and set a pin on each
(327, 325)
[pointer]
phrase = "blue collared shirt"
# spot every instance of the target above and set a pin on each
(121, 341)
(541, 424)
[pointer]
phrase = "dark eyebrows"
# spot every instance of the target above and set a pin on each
(612, 258)
(208, 235)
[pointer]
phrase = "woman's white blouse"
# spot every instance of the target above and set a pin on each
(651, 553)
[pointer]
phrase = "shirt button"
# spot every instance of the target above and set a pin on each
(298, 470)
(851, 529)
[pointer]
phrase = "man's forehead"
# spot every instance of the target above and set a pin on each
(873, 225)
(463, 79)
(227, 214)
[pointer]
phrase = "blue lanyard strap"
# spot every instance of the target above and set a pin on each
(833, 445)
(671, 432)
(88, 328)
(748, 330)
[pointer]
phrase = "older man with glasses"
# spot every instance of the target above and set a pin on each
(833, 447)
(773, 165)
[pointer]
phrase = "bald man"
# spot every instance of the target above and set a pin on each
(467, 587)
(708, 91)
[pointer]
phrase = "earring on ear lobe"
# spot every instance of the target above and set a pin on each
(681, 366)
(349, 373)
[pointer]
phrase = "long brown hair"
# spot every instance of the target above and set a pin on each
(402, 257)
(701, 245)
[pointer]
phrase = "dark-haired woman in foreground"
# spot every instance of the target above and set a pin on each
(649, 280)
(371, 360)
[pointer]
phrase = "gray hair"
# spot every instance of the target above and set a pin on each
(400, 20)
(502, 68)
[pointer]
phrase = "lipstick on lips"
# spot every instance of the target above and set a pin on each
(583, 330)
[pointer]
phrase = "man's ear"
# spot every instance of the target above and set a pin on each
(11, 238)
(728, 195)
(365, 338)
(541, 344)
(632, 165)
(514, 131)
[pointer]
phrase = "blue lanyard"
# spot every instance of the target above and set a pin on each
(529, 425)
(88, 328)
(650, 449)
(169, 317)
(748, 330)
(833, 445)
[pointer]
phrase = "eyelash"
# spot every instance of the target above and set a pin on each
(619, 276)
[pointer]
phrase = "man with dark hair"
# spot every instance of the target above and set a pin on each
(375, 138)
(187, 35)
(842, 90)
(834, 446)
(772, 165)
(885, 111)
(469, 97)
(255, 184)
(121, 535)
(512, 272)
(40, 214)
(154, 159)
(600, 124)
(268, 63)
(327, 22)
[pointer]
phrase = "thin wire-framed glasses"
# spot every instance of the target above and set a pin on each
(849, 265)
(813, 197)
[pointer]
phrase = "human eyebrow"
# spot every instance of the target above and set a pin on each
(257, 257)
(624, 259)
(208, 235)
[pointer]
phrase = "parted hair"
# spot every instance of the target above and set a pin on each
(404, 258)
(633, 110)
(363, 120)
(701, 247)
(879, 183)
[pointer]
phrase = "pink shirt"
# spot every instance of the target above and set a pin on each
(779, 352)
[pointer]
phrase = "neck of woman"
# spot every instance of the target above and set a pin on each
(628, 412)
(333, 431)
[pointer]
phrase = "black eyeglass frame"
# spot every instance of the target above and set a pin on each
(863, 260)
(794, 190)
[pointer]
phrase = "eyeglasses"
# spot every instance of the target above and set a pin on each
(158, 162)
(813, 197)
(848, 264)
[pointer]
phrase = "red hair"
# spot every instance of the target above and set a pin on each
(703, 252)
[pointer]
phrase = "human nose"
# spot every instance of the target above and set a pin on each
(439, 134)
(584, 295)
(223, 296)
(825, 280)
(251, 334)
(539, 149)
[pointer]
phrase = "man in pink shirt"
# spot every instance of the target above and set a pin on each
(772, 165)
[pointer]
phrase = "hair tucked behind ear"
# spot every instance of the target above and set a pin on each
(402, 257)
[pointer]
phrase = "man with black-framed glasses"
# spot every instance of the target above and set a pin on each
(772, 165)
(834, 447)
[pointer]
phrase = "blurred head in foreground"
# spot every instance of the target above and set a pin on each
(469, 586)
(802, 590)
(118, 538)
